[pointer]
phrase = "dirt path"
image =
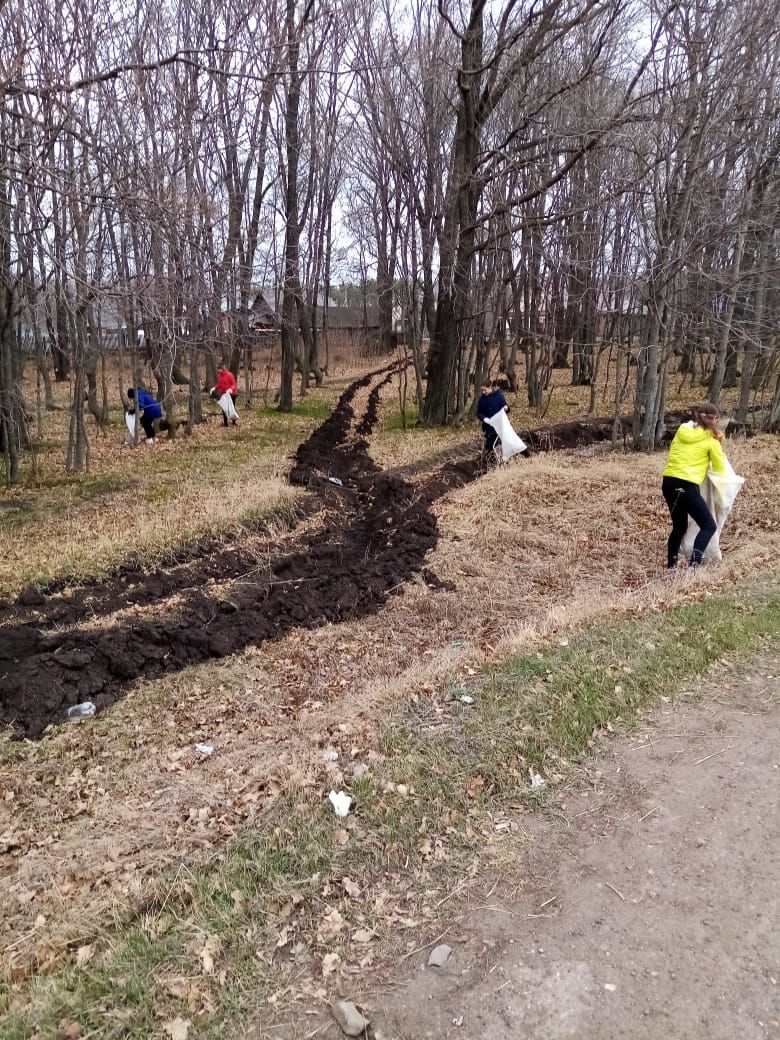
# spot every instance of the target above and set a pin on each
(652, 914)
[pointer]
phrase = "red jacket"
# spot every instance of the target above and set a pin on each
(226, 382)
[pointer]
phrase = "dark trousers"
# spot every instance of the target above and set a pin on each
(490, 436)
(685, 500)
(148, 427)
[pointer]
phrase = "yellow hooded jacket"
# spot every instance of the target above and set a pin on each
(692, 451)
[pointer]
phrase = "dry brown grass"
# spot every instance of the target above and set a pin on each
(96, 538)
(96, 814)
(148, 501)
(100, 810)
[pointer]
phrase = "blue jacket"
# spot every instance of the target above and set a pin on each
(489, 405)
(148, 405)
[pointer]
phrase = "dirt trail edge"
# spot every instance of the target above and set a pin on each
(377, 531)
(654, 914)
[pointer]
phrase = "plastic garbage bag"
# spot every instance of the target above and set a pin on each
(130, 423)
(511, 443)
(81, 711)
(226, 404)
(719, 491)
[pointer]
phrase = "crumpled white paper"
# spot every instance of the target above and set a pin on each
(340, 802)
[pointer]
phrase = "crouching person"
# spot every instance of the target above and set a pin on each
(146, 409)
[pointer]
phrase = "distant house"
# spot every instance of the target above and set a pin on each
(351, 319)
(262, 316)
(351, 327)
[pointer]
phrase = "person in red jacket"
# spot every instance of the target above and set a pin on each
(226, 384)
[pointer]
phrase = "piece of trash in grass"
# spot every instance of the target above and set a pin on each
(457, 642)
(336, 481)
(204, 750)
(538, 783)
(340, 802)
(466, 698)
(81, 711)
(330, 755)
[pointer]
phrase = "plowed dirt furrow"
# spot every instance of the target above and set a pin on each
(378, 532)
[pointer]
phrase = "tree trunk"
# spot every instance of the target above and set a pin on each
(291, 296)
(77, 457)
(458, 234)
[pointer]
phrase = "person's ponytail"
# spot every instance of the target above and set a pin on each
(706, 416)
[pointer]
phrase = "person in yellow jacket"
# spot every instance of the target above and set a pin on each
(697, 445)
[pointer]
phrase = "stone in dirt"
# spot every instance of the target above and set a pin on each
(439, 956)
(30, 597)
(350, 1020)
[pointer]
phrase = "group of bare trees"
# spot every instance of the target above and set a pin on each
(581, 183)
(610, 191)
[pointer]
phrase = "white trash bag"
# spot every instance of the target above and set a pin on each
(719, 491)
(130, 422)
(511, 444)
(226, 404)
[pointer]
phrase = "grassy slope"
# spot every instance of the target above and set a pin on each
(275, 910)
(148, 502)
(283, 883)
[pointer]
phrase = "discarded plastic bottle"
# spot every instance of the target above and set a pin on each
(81, 711)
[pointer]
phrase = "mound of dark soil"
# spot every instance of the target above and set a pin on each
(379, 531)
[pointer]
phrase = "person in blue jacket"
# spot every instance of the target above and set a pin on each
(491, 402)
(148, 410)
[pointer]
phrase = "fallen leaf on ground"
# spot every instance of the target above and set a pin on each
(350, 887)
(178, 988)
(208, 952)
(178, 1028)
(69, 1029)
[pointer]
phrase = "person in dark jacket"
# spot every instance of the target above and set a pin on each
(147, 408)
(491, 402)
